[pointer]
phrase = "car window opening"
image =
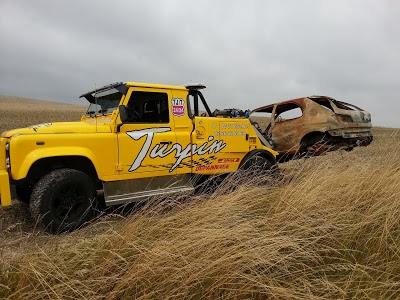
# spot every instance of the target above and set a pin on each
(261, 120)
(288, 112)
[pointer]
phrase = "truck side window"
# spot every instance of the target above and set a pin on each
(148, 107)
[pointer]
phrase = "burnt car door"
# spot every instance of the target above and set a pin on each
(287, 118)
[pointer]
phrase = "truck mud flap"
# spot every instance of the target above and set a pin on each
(5, 194)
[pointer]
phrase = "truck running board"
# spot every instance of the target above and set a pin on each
(125, 191)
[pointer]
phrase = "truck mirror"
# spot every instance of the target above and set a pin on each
(123, 113)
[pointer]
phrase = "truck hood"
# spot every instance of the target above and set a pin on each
(60, 127)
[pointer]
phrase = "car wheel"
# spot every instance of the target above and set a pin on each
(63, 200)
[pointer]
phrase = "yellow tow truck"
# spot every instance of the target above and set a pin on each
(136, 140)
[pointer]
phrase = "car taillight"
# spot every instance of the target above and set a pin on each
(346, 119)
(367, 117)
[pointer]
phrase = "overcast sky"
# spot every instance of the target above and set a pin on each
(248, 53)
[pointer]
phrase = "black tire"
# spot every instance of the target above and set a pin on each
(24, 192)
(315, 145)
(257, 163)
(63, 200)
(260, 170)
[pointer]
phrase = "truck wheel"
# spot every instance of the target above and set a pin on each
(24, 192)
(63, 200)
(261, 169)
(257, 162)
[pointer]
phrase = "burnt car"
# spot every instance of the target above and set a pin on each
(314, 124)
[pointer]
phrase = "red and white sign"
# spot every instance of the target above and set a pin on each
(228, 160)
(178, 107)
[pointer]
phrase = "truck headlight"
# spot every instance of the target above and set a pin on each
(8, 162)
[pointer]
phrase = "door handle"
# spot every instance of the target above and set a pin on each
(165, 143)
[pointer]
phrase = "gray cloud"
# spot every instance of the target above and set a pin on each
(248, 53)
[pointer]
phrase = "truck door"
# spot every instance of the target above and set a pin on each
(205, 136)
(195, 131)
(148, 134)
(183, 129)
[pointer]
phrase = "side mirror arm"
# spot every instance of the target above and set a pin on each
(123, 114)
(119, 127)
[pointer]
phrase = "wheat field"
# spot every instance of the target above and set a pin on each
(17, 112)
(329, 228)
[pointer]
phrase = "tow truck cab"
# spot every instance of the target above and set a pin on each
(135, 141)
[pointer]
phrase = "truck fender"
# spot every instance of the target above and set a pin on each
(38, 154)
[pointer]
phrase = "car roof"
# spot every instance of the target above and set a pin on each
(268, 108)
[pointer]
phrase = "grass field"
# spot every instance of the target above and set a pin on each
(18, 112)
(330, 229)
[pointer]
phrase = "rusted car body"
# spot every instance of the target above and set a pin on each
(314, 124)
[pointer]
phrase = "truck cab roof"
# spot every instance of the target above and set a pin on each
(123, 87)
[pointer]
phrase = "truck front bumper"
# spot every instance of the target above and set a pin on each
(5, 194)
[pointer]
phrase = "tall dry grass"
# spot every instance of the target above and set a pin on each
(330, 229)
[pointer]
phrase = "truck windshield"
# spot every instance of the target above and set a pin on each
(105, 102)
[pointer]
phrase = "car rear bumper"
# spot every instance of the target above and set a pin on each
(351, 133)
(5, 194)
